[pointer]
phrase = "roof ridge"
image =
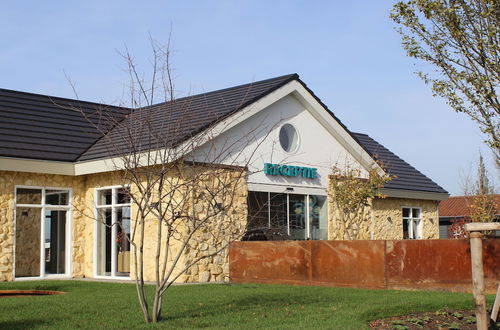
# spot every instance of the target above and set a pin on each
(51, 97)
(290, 75)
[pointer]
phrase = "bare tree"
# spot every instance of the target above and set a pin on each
(187, 188)
(479, 200)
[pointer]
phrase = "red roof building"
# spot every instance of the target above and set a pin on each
(456, 208)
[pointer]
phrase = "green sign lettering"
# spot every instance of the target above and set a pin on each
(289, 170)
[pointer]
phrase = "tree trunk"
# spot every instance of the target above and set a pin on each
(157, 306)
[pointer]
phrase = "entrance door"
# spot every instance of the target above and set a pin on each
(55, 242)
(112, 233)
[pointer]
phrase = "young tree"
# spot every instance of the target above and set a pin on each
(479, 199)
(187, 188)
(483, 186)
(351, 196)
(461, 41)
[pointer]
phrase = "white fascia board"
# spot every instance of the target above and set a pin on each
(414, 194)
(36, 166)
(117, 163)
(98, 166)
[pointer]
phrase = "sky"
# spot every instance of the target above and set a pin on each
(347, 52)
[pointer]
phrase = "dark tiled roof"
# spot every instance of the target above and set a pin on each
(459, 206)
(173, 122)
(51, 128)
(406, 176)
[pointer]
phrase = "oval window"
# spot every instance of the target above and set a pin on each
(289, 139)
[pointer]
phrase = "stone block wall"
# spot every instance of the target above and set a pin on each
(382, 219)
(230, 224)
(28, 236)
(388, 217)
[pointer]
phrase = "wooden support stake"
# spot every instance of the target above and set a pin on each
(476, 251)
(496, 306)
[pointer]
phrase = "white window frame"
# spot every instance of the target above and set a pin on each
(411, 219)
(68, 232)
(114, 205)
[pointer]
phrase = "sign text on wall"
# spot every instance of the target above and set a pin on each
(289, 170)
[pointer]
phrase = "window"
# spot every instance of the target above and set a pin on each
(289, 139)
(279, 216)
(42, 231)
(112, 232)
(412, 223)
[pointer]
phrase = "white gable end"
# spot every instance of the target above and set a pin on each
(253, 140)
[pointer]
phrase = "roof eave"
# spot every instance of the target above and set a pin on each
(414, 194)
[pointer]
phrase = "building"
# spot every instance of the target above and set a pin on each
(56, 161)
(458, 208)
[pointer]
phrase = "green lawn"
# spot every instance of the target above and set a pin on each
(91, 305)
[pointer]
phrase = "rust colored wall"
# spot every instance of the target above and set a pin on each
(348, 263)
(402, 264)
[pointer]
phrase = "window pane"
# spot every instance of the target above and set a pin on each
(123, 196)
(55, 241)
(28, 222)
(123, 241)
(104, 242)
(406, 234)
(56, 197)
(415, 213)
(318, 217)
(297, 213)
(406, 212)
(104, 197)
(416, 231)
(279, 222)
(258, 220)
(28, 196)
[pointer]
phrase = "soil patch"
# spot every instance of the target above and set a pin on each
(27, 293)
(442, 319)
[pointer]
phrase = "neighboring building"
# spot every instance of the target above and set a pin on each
(457, 208)
(55, 162)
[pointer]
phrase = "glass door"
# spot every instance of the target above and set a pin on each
(41, 225)
(112, 233)
(55, 242)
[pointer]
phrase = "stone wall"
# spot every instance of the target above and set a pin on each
(28, 236)
(229, 224)
(388, 217)
(382, 219)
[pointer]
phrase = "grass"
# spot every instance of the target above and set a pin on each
(91, 305)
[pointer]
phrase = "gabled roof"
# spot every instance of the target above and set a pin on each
(174, 122)
(458, 206)
(405, 176)
(37, 126)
